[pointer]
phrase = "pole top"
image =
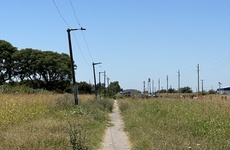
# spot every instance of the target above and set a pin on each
(68, 30)
(96, 63)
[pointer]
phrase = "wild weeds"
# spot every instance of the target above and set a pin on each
(177, 124)
(77, 138)
(40, 121)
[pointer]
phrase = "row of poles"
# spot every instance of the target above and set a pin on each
(75, 89)
(198, 80)
(74, 80)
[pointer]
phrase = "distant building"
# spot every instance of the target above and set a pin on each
(225, 90)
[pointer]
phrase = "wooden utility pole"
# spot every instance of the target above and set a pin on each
(94, 74)
(159, 85)
(144, 87)
(167, 79)
(198, 80)
(75, 89)
(179, 83)
(104, 84)
(202, 86)
(153, 86)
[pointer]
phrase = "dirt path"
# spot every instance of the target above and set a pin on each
(115, 137)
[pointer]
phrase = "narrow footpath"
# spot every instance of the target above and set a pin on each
(115, 137)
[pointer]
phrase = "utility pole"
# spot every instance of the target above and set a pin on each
(198, 79)
(219, 84)
(159, 85)
(167, 78)
(100, 80)
(144, 87)
(104, 83)
(179, 83)
(202, 86)
(108, 89)
(152, 86)
(108, 81)
(95, 77)
(219, 88)
(149, 85)
(75, 90)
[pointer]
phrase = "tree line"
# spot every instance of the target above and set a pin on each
(185, 89)
(39, 69)
(35, 68)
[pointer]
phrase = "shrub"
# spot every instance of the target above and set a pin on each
(77, 138)
(106, 104)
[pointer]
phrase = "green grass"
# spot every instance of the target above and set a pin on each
(177, 124)
(51, 121)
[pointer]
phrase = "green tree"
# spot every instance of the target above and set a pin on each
(84, 88)
(52, 68)
(114, 88)
(6, 61)
(25, 64)
(44, 69)
(163, 91)
(38, 69)
(212, 91)
(186, 90)
(171, 90)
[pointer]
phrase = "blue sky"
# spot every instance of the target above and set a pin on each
(135, 40)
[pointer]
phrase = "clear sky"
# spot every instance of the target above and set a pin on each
(135, 40)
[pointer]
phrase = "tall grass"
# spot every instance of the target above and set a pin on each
(177, 124)
(51, 121)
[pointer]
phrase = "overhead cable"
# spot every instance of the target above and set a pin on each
(81, 50)
(60, 14)
(74, 13)
(81, 31)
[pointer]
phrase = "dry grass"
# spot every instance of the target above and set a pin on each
(48, 121)
(168, 123)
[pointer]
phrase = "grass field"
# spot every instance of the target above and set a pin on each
(51, 121)
(170, 123)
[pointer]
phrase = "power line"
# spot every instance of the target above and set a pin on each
(60, 14)
(87, 46)
(69, 27)
(81, 32)
(80, 50)
(198, 79)
(74, 13)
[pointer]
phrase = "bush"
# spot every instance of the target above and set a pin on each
(123, 106)
(6, 88)
(64, 102)
(106, 104)
(77, 138)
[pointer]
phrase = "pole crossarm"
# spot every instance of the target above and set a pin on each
(68, 30)
(96, 63)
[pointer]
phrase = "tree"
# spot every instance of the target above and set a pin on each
(52, 67)
(212, 91)
(186, 90)
(84, 88)
(35, 68)
(25, 64)
(114, 88)
(6, 61)
(44, 69)
(171, 90)
(163, 91)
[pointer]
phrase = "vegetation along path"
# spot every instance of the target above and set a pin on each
(115, 137)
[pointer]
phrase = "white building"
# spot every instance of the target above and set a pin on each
(225, 90)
